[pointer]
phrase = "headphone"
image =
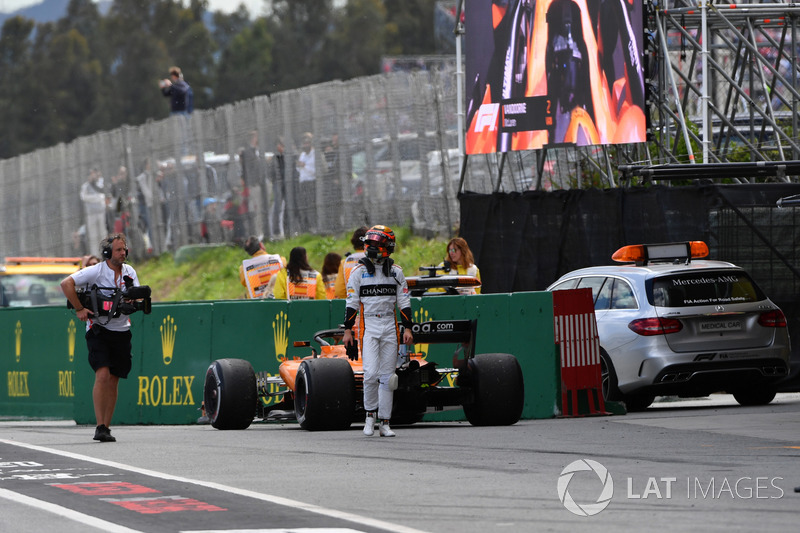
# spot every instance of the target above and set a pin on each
(106, 248)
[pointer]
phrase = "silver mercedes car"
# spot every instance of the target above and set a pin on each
(672, 325)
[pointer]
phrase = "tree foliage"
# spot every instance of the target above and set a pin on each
(88, 72)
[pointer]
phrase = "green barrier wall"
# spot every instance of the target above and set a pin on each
(43, 355)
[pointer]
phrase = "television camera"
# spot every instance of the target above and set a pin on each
(122, 301)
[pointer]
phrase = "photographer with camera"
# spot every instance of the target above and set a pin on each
(102, 296)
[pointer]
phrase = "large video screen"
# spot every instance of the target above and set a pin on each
(553, 72)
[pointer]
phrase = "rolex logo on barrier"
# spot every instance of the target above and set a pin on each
(167, 390)
(421, 316)
(71, 330)
(168, 330)
(280, 330)
(18, 339)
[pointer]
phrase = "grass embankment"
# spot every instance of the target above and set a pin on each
(213, 274)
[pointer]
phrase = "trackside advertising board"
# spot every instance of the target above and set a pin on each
(46, 373)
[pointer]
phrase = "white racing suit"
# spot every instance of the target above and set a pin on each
(372, 292)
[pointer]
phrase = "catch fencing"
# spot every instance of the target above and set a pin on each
(385, 152)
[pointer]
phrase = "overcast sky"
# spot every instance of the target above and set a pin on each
(255, 7)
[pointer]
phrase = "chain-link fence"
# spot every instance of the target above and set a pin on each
(384, 151)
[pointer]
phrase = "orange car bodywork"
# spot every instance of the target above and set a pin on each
(288, 368)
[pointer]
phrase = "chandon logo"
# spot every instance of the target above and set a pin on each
(378, 290)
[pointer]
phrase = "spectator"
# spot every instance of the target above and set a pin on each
(120, 201)
(181, 103)
(94, 200)
(144, 199)
(210, 225)
(253, 174)
(298, 281)
(89, 260)
(460, 261)
(265, 271)
(330, 267)
(167, 190)
(307, 189)
(178, 91)
(350, 261)
(79, 245)
(235, 211)
(277, 231)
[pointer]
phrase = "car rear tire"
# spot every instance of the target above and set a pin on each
(755, 397)
(498, 391)
(638, 402)
(229, 395)
(325, 394)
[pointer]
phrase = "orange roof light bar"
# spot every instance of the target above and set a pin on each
(39, 260)
(644, 253)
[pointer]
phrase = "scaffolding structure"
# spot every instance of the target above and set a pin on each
(722, 82)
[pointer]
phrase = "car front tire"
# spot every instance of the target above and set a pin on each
(229, 394)
(325, 394)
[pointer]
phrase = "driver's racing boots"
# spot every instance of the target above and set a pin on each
(369, 425)
(385, 430)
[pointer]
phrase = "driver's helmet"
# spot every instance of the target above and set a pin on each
(378, 242)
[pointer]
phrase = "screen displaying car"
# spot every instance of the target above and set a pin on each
(670, 324)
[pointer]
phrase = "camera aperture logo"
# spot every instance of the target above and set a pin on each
(585, 509)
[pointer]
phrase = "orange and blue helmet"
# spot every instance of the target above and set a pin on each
(379, 242)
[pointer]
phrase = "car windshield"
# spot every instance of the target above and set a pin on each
(704, 288)
(24, 290)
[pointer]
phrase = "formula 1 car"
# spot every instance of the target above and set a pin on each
(324, 391)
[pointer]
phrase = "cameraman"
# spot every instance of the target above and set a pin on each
(108, 339)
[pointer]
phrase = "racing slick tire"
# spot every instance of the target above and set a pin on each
(230, 394)
(325, 394)
(498, 391)
(755, 397)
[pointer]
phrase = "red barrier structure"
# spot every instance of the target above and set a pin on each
(579, 346)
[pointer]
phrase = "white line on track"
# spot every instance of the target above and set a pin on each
(282, 530)
(278, 500)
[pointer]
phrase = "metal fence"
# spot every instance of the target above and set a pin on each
(385, 151)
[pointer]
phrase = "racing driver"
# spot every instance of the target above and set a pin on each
(375, 286)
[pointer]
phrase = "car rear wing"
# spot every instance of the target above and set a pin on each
(447, 331)
(431, 332)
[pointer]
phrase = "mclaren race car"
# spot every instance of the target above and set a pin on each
(324, 390)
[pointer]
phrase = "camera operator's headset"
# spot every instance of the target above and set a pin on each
(106, 245)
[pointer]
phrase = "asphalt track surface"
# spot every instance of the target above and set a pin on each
(707, 465)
